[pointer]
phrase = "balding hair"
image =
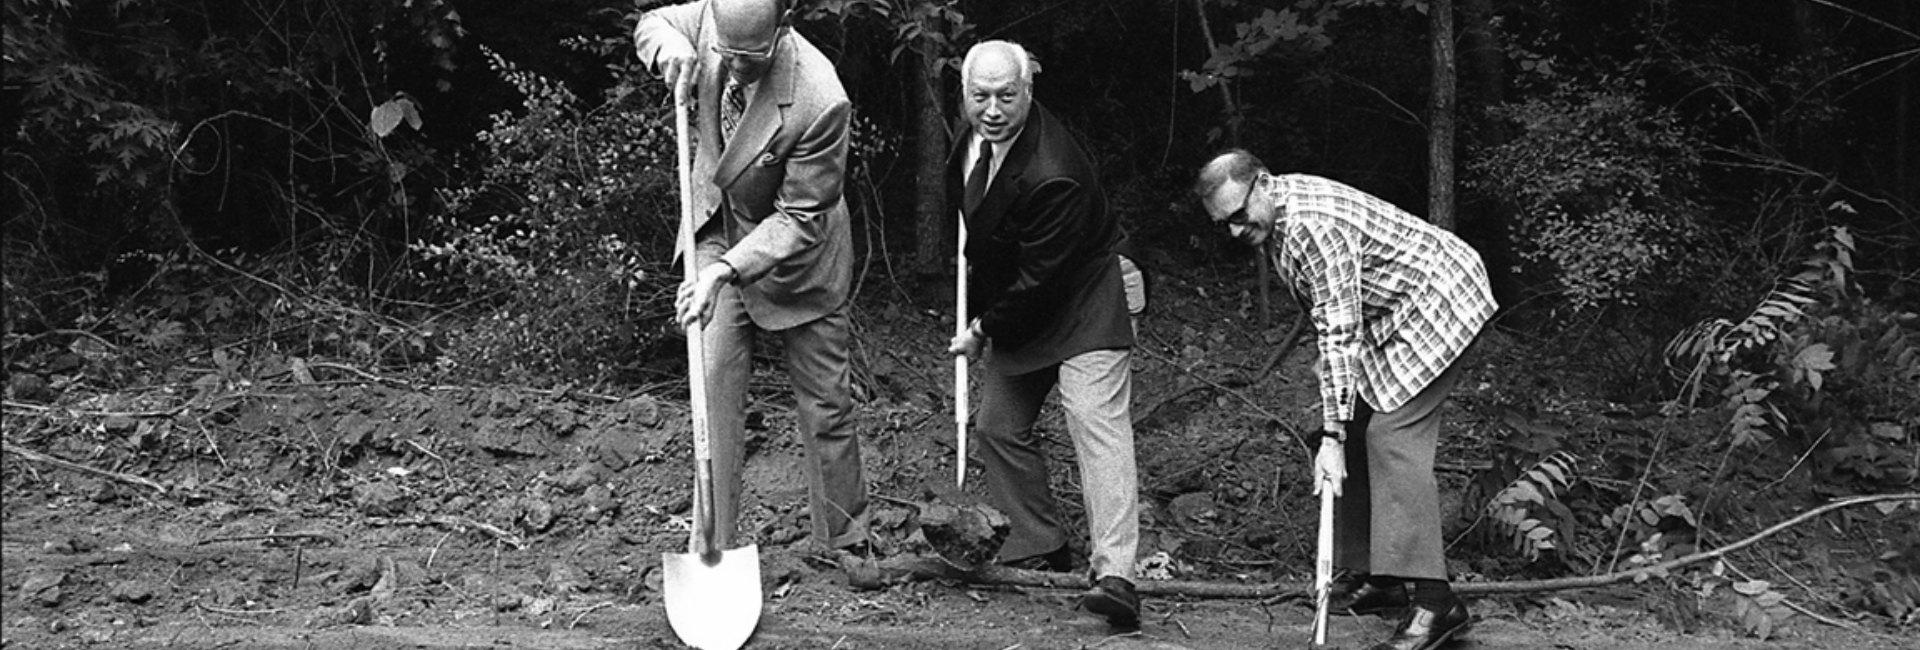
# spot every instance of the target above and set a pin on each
(1233, 164)
(1028, 66)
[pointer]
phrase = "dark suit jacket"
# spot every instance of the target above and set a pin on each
(770, 203)
(1044, 281)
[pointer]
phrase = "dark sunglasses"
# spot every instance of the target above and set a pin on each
(1239, 217)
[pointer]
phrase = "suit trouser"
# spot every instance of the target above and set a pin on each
(1095, 390)
(1387, 519)
(818, 366)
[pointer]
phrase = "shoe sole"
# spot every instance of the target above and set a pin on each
(1117, 613)
(1446, 638)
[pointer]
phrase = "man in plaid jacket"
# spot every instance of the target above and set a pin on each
(1396, 301)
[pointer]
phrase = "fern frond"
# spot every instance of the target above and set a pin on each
(1540, 484)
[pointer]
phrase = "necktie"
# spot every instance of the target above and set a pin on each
(977, 180)
(731, 107)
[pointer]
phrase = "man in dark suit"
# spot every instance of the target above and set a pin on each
(773, 242)
(1049, 308)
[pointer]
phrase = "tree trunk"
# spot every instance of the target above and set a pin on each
(1440, 115)
(1230, 110)
(932, 222)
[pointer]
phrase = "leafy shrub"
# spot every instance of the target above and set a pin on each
(1598, 180)
(564, 235)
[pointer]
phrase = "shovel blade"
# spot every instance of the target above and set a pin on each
(713, 606)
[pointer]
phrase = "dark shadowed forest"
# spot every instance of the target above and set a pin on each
(348, 323)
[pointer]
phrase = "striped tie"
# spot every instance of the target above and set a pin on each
(730, 110)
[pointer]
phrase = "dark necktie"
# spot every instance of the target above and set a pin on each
(731, 107)
(977, 180)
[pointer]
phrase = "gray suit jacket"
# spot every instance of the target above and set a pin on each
(769, 204)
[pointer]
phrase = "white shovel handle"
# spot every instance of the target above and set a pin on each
(960, 398)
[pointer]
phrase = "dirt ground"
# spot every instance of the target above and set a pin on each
(326, 508)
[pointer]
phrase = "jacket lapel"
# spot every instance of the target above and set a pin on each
(762, 117)
(1001, 191)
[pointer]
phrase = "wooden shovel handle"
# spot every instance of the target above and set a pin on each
(703, 511)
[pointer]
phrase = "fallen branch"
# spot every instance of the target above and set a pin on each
(919, 567)
(455, 522)
(325, 537)
(76, 467)
(1582, 582)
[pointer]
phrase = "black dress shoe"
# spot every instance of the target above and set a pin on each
(1364, 598)
(1113, 597)
(1059, 560)
(1425, 629)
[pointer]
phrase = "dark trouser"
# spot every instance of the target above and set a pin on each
(1387, 520)
(819, 369)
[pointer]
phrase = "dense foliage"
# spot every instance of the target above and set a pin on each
(486, 195)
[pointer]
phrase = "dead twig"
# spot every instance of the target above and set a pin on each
(76, 467)
(325, 537)
(583, 614)
(455, 522)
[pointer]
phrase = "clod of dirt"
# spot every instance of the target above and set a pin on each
(379, 499)
(966, 536)
(132, 591)
(863, 574)
(600, 503)
(1193, 508)
(359, 611)
(68, 546)
(564, 578)
(43, 588)
(537, 514)
(30, 388)
(580, 478)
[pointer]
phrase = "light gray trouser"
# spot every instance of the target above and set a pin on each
(1095, 389)
(818, 367)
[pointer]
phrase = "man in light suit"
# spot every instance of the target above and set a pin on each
(774, 245)
(1049, 308)
(1396, 301)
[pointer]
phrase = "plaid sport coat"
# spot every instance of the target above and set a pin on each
(1395, 299)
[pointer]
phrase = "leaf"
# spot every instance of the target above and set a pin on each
(387, 116)
(1817, 357)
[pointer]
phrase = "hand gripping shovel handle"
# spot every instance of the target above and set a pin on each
(702, 539)
(960, 398)
(1323, 558)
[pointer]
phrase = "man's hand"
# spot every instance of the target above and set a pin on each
(1330, 463)
(696, 298)
(676, 61)
(969, 342)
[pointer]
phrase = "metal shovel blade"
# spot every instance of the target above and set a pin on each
(713, 603)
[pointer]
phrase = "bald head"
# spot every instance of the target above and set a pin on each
(996, 87)
(747, 32)
(1236, 165)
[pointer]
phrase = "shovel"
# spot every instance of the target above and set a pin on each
(712, 595)
(1323, 558)
(960, 362)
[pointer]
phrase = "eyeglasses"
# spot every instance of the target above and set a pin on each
(752, 55)
(1239, 217)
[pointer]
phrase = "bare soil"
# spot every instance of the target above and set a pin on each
(328, 510)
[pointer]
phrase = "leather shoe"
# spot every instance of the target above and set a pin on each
(1360, 597)
(1113, 597)
(1424, 629)
(1059, 560)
